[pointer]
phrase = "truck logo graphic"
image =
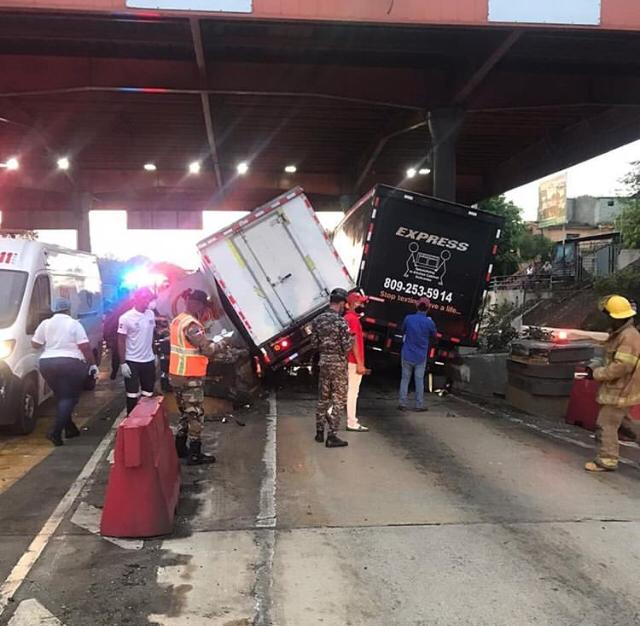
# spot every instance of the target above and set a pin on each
(426, 267)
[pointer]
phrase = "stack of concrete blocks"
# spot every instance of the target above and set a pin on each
(541, 374)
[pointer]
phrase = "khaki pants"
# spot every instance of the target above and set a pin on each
(352, 395)
(610, 419)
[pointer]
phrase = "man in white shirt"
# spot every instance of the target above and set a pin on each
(136, 330)
(64, 363)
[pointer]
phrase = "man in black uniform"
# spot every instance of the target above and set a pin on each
(333, 340)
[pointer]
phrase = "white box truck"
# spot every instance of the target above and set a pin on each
(32, 275)
(275, 268)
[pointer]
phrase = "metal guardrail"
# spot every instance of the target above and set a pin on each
(534, 283)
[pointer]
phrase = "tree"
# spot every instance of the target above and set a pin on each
(507, 259)
(628, 222)
(532, 246)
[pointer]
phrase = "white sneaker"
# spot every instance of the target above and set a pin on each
(358, 428)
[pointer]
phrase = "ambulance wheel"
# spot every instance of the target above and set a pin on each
(26, 409)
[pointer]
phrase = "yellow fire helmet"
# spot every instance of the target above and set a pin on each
(617, 307)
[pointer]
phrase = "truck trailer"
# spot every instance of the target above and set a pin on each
(275, 269)
(400, 246)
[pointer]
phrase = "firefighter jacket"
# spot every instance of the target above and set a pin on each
(620, 377)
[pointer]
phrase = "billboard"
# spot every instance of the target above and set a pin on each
(552, 201)
(583, 12)
(213, 6)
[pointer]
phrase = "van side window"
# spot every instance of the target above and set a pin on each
(40, 305)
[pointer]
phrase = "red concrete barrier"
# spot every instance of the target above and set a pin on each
(144, 483)
(583, 408)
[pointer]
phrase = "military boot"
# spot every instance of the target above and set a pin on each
(333, 441)
(181, 446)
(197, 457)
(320, 435)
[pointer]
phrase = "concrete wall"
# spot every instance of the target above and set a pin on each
(593, 211)
(626, 257)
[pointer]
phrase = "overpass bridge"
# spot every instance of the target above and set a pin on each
(460, 99)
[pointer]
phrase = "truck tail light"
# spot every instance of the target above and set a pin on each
(282, 345)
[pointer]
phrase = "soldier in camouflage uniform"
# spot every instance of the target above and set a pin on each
(333, 340)
(190, 352)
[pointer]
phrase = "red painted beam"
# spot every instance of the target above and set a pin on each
(615, 14)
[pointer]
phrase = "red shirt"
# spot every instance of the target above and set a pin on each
(355, 327)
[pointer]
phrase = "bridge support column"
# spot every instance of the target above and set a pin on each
(81, 207)
(444, 126)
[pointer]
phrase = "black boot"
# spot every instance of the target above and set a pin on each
(197, 457)
(320, 435)
(71, 431)
(335, 442)
(56, 440)
(181, 446)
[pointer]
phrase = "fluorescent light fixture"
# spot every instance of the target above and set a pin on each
(194, 167)
(291, 169)
(12, 163)
(423, 171)
(63, 163)
(150, 167)
(242, 168)
(411, 172)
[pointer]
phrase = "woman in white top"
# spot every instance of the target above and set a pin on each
(64, 364)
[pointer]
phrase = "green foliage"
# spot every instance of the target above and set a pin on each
(628, 223)
(496, 332)
(533, 246)
(508, 258)
(624, 283)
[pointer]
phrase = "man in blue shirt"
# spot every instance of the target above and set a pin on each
(419, 330)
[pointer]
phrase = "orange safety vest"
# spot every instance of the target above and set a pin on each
(185, 359)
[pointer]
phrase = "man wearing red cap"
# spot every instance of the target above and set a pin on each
(418, 330)
(357, 369)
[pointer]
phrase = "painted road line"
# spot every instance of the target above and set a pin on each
(549, 432)
(267, 512)
(22, 568)
(266, 520)
(32, 613)
(87, 517)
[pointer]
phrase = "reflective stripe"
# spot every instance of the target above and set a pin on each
(133, 395)
(180, 350)
(625, 357)
(185, 359)
(147, 394)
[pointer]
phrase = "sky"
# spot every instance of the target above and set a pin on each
(109, 235)
(596, 177)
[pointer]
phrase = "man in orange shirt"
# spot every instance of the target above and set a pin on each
(357, 369)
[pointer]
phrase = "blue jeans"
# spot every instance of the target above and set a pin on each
(417, 370)
(66, 378)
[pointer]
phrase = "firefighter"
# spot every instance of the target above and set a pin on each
(619, 382)
(188, 361)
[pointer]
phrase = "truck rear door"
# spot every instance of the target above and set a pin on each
(280, 268)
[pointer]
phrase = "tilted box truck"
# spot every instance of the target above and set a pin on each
(400, 246)
(275, 269)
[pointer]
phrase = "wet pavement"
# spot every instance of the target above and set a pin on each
(462, 515)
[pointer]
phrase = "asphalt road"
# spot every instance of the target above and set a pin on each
(462, 515)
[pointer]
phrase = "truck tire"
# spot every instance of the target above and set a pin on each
(26, 408)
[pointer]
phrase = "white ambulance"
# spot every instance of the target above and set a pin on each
(32, 275)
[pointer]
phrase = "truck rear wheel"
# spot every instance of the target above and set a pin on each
(26, 409)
